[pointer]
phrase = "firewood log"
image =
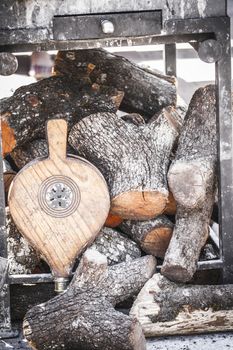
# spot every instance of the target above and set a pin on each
(166, 308)
(153, 235)
(21, 256)
(192, 180)
(146, 92)
(83, 317)
(115, 246)
(133, 159)
(24, 114)
(37, 148)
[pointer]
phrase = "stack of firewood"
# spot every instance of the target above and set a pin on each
(159, 162)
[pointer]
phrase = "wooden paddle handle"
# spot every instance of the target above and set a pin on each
(57, 138)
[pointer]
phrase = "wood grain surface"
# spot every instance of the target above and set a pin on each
(59, 227)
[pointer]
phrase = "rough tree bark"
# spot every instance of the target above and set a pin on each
(84, 317)
(192, 180)
(133, 159)
(37, 148)
(115, 246)
(24, 114)
(146, 92)
(153, 235)
(165, 308)
(21, 256)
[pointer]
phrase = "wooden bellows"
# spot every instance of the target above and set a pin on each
(59, 203)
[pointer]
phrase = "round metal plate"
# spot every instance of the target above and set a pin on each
(59, 196)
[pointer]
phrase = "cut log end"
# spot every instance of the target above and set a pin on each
(156, 241)
(176, 273)
(186, 182)
(8, 138)
(142, 205)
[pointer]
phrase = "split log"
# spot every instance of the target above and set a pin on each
(146, 92)
(192, 180)
(153, 236)
(166, 308)
(116, 247)
(84, 317)
(133, 159)
(21, 256)
(24, 114)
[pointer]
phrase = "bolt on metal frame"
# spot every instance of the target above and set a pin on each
(174, 31)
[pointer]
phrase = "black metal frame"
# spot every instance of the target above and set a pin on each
(175, 31)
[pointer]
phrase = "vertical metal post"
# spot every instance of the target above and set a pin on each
(5, 319)
(225, 149)
(170, 59)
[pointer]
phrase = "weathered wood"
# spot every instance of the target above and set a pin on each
(133, 159)
(24, 114)
(115, 246)
(55, 202)
(21, 256)
(192, 180)
(165, 308)
(146, 92)
(84, 317)
(153, 235)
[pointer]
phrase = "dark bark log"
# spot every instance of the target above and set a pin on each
(164, 308)
(84, 317)
(115, 246)
(24, 114)
(153, 236)
(192, 179)
(21, 256)
(35, 149)
(133, 159)
(146, 92)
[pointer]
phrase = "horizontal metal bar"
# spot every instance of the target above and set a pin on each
(31, 279)
(210, 264)
(205, 265)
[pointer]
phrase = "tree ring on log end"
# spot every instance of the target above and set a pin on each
(59, 196)
(140, 205)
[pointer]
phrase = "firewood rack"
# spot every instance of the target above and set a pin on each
(64, 25)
